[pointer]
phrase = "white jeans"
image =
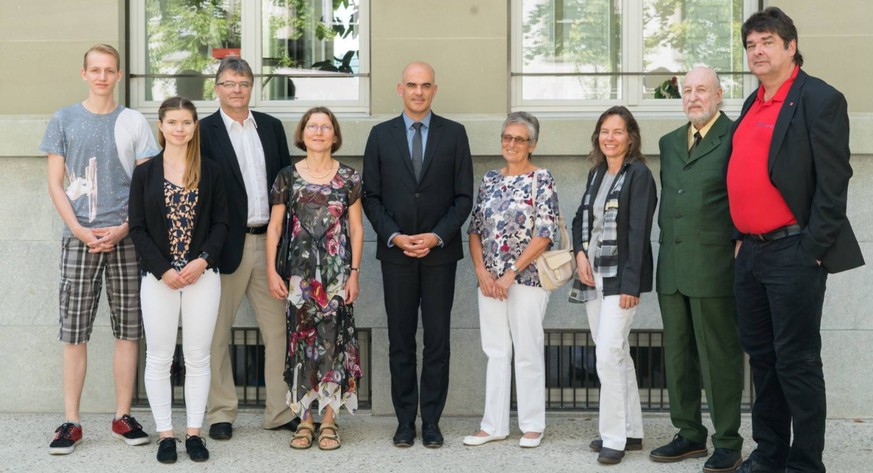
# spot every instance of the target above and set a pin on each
(620, 413)
(516, 321)
(161, 305)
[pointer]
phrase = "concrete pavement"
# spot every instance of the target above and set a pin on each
(367, 447)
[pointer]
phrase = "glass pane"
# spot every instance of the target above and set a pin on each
(574, 37)
(310, 47)
(681, 34)
(189, 38)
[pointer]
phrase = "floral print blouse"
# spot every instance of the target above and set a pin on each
(180, 221)
(509, 214)
(319, 255)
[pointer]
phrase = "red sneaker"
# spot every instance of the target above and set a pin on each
(128, 429)
(67, 436)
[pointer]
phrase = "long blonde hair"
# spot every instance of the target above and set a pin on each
(191, 177)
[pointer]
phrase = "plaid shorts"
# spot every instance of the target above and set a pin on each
(81, 282)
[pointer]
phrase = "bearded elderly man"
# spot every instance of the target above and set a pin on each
(695, 280)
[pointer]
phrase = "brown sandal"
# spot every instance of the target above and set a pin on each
(322, 436)
(304, 431)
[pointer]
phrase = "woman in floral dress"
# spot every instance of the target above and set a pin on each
(316, 233)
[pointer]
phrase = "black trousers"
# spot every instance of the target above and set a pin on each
(780, 291)
(432, 289)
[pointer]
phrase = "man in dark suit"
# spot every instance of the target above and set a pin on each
(418, 191)
(787, 180)
(695, 279)
(251, 148)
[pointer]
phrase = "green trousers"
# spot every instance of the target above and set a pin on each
(701, 343)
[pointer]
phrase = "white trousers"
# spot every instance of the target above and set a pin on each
(620, 413)
(514, 322)
(161, 306)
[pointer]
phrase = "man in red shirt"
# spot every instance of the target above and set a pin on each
(787, 180)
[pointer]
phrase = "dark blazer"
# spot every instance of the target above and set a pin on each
(440, 203)
(636, 209)
(215, 145)
(148, 216)
(809, 165)
(696, 252)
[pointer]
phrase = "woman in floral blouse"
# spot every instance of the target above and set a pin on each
(513, 222)
(316, 228)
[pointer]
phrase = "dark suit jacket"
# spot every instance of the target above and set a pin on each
(215, 145)
(696, 255)
(148, 216)
(809, 165)
(636, 209)
(440, 203)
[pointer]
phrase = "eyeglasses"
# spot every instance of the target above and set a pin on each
(314, 128)
(506, 139)
(232, 85)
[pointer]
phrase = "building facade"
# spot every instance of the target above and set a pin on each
(481, 53)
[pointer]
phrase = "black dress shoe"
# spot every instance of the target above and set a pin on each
(678, 449)
(723, 459)
(405, 435)
(751, 466)
(431, 437)
(630, 444)
(609, 456)
(196, 448)
(221, 431)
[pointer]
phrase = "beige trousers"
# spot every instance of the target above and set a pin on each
(250, 279)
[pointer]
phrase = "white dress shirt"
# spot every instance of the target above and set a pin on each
(250, 154)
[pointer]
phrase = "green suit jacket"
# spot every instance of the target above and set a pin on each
(696, 252)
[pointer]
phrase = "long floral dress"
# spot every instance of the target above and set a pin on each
(322, 362)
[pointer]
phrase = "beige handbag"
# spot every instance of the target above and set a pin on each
(556, 267)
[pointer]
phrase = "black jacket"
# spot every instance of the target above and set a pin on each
(809, 165)
(440, 203)
(148, 216)
(215, 145)
(636, 208)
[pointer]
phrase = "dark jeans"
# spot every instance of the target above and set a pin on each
(780, 290)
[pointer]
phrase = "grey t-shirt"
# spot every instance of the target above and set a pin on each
(100, 152)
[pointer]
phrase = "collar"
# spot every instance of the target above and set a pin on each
(703, 131)
(425, 121)
(228, 122)
(781, 93)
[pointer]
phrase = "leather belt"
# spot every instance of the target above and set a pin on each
(786, 231)
(256, 230)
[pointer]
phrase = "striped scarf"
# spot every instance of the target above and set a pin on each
(606, 261)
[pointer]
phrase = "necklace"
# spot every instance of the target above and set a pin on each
(317, 178)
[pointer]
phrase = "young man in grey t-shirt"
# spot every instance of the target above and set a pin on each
(92, 148)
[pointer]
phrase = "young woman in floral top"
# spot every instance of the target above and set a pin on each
(513, 222)
(178, 223)
(321, 239)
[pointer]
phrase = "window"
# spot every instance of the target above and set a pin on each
(302, 52)
(589, 54)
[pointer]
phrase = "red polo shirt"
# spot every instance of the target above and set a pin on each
(756, 205)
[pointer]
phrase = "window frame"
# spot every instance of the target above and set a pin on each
(251, 51)
(631, 76)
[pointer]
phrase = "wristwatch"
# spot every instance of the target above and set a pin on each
(513, 268)
(204, 255)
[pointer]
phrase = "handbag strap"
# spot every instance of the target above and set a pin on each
(562, 227)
